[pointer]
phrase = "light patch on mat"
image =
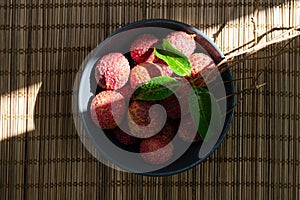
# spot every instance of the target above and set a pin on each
(238, 27)
(17, 111)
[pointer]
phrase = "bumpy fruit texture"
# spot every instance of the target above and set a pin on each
(172, 106)
(188, 132)
(141, 50)
(124, 138)
(165, 69)
(143, 72)
(142, 122)
(108, 109)
(202, 67)
(112, 71)
(126, 91)
(156, 150)
(182, 42)
(177, 101)
(169, 130)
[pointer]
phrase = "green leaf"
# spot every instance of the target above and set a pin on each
(166, 45)
(157, 88)
(181, 66)
(208, 112)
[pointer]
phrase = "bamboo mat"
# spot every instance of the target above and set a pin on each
(41, 157)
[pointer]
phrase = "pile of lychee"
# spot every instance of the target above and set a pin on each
(146, 128)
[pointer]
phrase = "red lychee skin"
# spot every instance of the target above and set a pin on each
(165, 69)
(126, 91)
(200, 62)
(142, 73)
(158, 60)
(140, 49)
(186, 133)
(172, 104)
(104, 105)
(202, 67)
(156, 150)
(112, 71)
(169, 130)
(182, 42)
(140, 123)
(152, 56)
(124, 138)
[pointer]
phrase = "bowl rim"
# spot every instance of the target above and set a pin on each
(229, 116)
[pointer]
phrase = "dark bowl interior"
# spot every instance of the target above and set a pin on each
(190, 158)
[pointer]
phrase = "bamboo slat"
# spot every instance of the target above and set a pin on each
(42, 45)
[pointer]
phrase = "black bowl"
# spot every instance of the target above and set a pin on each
(100, 142)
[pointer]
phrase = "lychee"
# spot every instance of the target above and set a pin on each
(172, 106)
(126, 91)
(158, 60)
(141, 49)
(156, 150)
(180, 96)
(112, 71)
(169, 130)
(123, 137)
(108, 109)
(143, 121)
(187, 132)
(165, 69)
(143, 72)
(182, 41)
(202, 67)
